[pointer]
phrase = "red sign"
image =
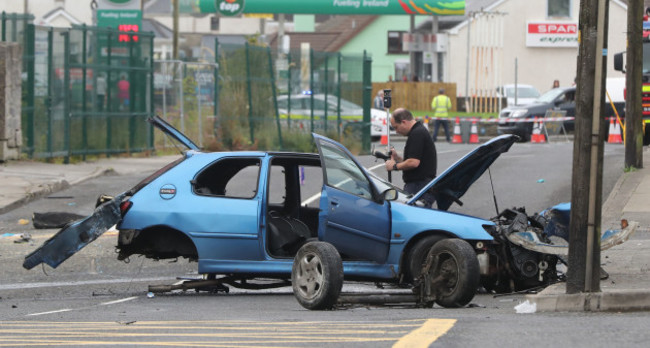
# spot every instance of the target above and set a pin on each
(128, 28)
(552, 28)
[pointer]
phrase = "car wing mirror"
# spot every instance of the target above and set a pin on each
(390, 194)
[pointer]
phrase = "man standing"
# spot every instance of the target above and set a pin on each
(419, 162)
(441, 104)
(378, 103)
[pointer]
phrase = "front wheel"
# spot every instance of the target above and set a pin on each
(317, 276)
(454, 272)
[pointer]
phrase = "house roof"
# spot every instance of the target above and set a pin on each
(330, 35)
(59, 12)
(159, 30)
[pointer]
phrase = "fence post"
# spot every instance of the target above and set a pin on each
(109, 104)
(152, 94)
(367, 90)
(215, 124)
(250, 96)
(275, 97)
(326, 90)
(289, 90)
(84, 121)
(338, 94)
(311, 87)
(4, 26)
(29, 61)
(50, 89)
(66, 96)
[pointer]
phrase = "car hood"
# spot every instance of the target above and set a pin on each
(452, 184)
(172, 132)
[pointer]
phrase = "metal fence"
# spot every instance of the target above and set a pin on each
(86, 90)
(250, 97)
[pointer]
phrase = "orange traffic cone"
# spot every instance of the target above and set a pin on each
(457, 138)
(537, 136)
(473, 134)
(384, 137)
(614, 133)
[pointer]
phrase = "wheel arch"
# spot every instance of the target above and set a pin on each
(157, 242)
(415, 239)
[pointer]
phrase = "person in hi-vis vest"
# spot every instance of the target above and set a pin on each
(441, 104)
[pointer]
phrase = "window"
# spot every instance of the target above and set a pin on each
(229, 177)
(214, 23)
(342, 173)
(395, 42)
(558, 8)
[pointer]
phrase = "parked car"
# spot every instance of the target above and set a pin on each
(519, 119)
(525, 94)
(351, 113)
(242, 216)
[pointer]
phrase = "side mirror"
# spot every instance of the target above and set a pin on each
(390, 194)
(618, 62)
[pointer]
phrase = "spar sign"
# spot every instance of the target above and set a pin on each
(229, 8)
(552, 34)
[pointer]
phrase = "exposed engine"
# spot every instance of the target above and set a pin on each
(513, 267)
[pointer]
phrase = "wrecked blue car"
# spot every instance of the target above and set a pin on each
(251, 215)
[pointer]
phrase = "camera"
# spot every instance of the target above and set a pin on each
(387, 98)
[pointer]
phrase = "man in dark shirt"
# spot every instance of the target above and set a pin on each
(420, 162)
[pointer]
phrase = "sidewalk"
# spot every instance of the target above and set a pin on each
(25, 181)
(628, 264)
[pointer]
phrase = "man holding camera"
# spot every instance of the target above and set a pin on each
(419, 163)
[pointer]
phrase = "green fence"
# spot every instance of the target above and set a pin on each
(86, 90)
(250, 97)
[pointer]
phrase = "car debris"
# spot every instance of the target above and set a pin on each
(49, 220)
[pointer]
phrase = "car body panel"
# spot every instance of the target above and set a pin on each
(452, 184)
(173, 132)
(347, 188)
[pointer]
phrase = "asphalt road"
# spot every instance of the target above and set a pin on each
(93, 299)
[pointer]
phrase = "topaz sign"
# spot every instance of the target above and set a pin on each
(229, 8)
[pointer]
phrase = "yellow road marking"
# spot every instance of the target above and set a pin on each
(429, 332)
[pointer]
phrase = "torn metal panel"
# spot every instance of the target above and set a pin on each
(76, 235)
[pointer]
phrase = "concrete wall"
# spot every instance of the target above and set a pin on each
(537, 66)
(10, 100)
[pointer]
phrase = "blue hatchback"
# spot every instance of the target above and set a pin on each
(248, 215)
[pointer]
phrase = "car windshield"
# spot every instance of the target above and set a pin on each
(550, 95)
(345, 104)
(522, 92)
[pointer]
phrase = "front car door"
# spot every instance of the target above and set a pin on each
(351, 218)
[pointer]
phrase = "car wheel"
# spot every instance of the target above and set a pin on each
(416, 257)
(317, 276)
(455, 269)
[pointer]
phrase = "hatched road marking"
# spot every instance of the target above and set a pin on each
(222, 333)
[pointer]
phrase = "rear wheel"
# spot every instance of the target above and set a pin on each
(455, 272)
(317, 276)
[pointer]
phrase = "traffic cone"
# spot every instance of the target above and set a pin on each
(614, 133)
(473, 134)
(457, 138)
(384, 137)
(537, 136)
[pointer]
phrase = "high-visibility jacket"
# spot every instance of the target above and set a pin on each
(441, 105)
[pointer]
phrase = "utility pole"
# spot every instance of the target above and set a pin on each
(633, 86)
(175, 29)
(586, 189)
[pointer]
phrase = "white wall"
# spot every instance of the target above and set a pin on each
(537, 66)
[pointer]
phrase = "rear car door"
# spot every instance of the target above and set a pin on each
(351, 218)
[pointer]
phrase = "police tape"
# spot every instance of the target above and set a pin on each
(504, 119)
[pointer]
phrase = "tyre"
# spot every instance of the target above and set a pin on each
(456, 263)
(317, 276)
(416, 257)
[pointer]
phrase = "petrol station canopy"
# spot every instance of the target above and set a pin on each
(343, 7)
